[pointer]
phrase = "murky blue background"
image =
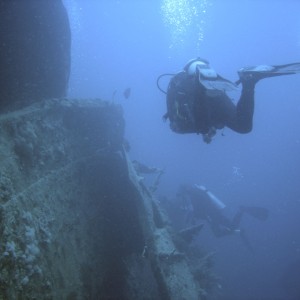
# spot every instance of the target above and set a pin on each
(120, 44)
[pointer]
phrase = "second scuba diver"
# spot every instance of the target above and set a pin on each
(204, 205)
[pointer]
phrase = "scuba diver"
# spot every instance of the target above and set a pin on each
(197, 101)
(202, 204)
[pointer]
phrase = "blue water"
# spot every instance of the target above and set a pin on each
(121, 44)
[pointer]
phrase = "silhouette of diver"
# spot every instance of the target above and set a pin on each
(206, 206)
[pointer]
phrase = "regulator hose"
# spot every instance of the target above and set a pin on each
(158, 79)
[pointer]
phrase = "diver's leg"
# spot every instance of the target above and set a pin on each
(219, 231)
(221, 226)
(246, 241)
(245, 107)
(235, 223)
(236, 117)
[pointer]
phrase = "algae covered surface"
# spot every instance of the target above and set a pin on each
(76, 220)
(48, 153)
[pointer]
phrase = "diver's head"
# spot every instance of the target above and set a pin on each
(191, 66)
(200, 66)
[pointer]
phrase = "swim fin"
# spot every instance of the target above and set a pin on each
(264, 71)
(257, 212)
(246, 241)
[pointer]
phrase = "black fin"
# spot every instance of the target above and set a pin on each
(257, 212)
(246, 241)
(265, 71)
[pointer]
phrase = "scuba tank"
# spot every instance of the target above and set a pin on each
(199, 65)
(216, 202)
(208, 78)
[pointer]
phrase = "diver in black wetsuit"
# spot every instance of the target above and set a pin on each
(197, 101)
(204, 205)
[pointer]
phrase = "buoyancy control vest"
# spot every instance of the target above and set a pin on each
(188, 96)
(186, 104)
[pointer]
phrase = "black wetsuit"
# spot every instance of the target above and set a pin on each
(191, 110)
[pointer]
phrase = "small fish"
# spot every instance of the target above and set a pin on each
(126, 93)
(113, 95)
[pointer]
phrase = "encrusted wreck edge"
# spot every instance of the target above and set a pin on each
(75, 220)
